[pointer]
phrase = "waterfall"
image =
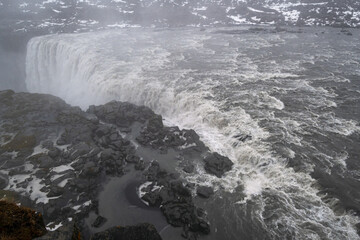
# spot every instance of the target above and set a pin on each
(207, 83)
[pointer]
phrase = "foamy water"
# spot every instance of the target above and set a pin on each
(223, 86)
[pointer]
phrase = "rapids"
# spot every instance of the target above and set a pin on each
(275, 103)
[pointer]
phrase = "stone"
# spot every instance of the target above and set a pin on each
(102, 130)
(45, 161)
(82, 148)
(54, 152)
(69, 231)
(174, 199)
(95, 150)
(107, 154)
(144, 231)
(189, 168)
(55, 191)
(217, 165)
(155, 124)
(3, 183)
(47, 144)
(140, 165)
(204, 192)
(132, 159)
(152, 198)
(99, 221)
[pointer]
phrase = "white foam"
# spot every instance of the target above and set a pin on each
(63, 183)
(55, 226)
(78, 207)
(62, 168)
(141, 188)
(32, 189)
(56, 176)
(38, 150)
(254, 186)
(186, 81)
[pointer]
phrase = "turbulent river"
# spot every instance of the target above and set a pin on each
(283, 106)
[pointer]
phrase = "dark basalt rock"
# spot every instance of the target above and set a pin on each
(76, 151)
(93, 151)
(175, 201)
(54, 152)
(189, 168)
(243, 137)
(99, 221)
(181, 214)
(3, 183)
(155, 124)
(121, 114)
(204, 192)
(69, 231)
(142, 231)
(358, 228)
(217, 164)
(163, 138)
(152, 198)
(140, 165)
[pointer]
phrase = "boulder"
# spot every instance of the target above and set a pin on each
(155, 124)
(217, 164)
(54, 152)
(99, 221)
(204, 192)
(45, 161)
(189, 168)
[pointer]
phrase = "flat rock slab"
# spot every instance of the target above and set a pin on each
(139, 232)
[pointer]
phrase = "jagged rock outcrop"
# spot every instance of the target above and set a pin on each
(175, 201)
(60, 157)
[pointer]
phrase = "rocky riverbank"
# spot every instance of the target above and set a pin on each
(59, 159)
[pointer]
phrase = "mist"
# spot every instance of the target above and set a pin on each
(215, 119)
(20, 20)
(12, 70)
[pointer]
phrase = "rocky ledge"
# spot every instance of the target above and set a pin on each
(58, 159)
(20, 223)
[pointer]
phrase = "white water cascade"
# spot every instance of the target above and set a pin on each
(200, 82)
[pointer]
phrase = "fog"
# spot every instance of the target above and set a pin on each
(12, 71)
(272, 85)
(22, 19)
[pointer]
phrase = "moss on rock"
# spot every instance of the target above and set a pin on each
(20, 142)
(19, 223)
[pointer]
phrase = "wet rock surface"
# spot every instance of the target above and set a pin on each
(137, 232)
(204, 192)
(69, 231)
(60, 157)
(175, 201)
(217, 164)
(99, 221)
